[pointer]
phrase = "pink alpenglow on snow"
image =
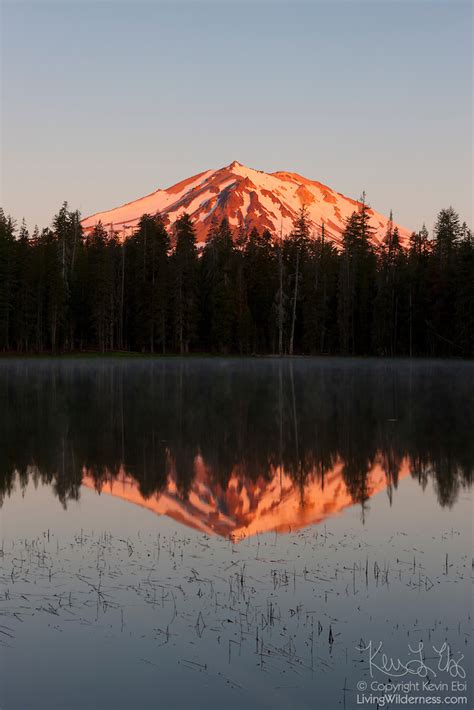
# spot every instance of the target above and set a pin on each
(247, 198)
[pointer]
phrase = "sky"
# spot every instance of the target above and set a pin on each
(104, 102)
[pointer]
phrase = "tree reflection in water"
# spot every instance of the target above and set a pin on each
(236, 443)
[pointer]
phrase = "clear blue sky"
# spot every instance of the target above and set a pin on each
(104, 102)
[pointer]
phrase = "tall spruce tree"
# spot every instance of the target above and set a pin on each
(388, 303)
(447, 232)
(440, 320)
(356, 283)
(100, 289)
(319, 293)
(185, 285)
(218, 280)
(464, 297)
(149, 274)
(261, 277)
(419, 250)
(7, 285)
(22, 294)
(296, 251)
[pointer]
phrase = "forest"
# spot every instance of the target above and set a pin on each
(64, 291)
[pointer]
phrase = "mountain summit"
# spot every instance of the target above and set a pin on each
(248, 198)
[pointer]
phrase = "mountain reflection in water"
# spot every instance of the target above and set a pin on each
(236, 447)
(246, 507)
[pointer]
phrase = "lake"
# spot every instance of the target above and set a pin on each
(229, 533)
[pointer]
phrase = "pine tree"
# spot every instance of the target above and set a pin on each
(388, 303)
(417, 271)
(261, 277)
(319, 286)
(296, 248)
(22, 294)
(218, 279)
(447, 232)
(149, 272)
(185, 285)
(100, 288)
(7, 246)
(243, 317)
(464, 299)
(67, 234)
(280, 298)
(356, 284)
(440, 320)
(54, 301)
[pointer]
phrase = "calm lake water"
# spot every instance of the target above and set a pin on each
(233, 533)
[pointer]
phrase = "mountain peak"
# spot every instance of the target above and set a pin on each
(242, 170)
(244, 196)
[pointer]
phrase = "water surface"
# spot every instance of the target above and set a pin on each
(228, 530)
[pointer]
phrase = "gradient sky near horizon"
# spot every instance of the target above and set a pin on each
(104, 102)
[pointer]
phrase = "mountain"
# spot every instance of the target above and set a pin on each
(246, 507)
(248, 198)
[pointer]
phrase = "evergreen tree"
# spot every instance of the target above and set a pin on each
(440, 320)
(218, 279)
(417, 267)
(67, 232)
(389, 300)
(464, 298)
(185, 285)
(100, 289)
(7, 286)
(447, 232)
(319, 293)
(22, 293)
(54, 303)
(149, 271)
(243, 317)
(356, 284)
(296, 251)
(261, 277)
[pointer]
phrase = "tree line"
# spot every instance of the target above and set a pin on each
(62, 290)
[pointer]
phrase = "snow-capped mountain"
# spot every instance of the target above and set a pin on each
(248, 198)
